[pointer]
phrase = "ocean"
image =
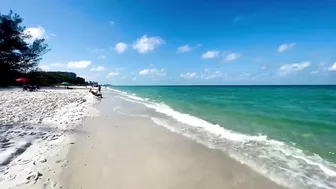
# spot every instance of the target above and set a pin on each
(287, 133)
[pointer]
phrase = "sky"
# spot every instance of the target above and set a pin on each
(186, 42)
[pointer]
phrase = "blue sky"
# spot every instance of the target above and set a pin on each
(140, 42)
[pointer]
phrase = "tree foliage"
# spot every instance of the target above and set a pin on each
(52, 78)
(18, 56)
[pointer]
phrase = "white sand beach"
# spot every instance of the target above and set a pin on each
(35, 129)
(56, 139)
(123, 148)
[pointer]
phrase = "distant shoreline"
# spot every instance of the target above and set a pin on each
(331, 85)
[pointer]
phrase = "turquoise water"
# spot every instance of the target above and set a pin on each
(301, 117)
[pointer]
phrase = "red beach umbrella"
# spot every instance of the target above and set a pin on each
(22, 79)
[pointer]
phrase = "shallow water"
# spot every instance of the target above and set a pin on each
(284, 132)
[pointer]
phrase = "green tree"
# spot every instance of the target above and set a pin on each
(17, 55)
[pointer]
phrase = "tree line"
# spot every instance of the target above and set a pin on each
(20, 55)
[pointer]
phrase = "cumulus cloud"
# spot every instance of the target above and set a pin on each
(120, 47)
(290, 68)
(184, 49)
(144, 72)
(231, 57)
(189, 75)
(210, 54)
(35, 33)
(97, 69)
(286, 46)
(112, 74)
(102, 57)
(333, 67)
(79, 64)
(153, 72)
(146, 44)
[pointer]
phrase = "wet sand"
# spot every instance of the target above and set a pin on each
(126, 152)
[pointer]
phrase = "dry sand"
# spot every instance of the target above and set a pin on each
(36, 129)
(127, 152)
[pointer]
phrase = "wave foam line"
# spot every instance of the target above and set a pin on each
(297, 170)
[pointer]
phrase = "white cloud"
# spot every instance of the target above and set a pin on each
(120, 47)
(102, 57)
(52, 35)
(144, 72)
(333, 67)
(231, 57)
(79, 64)
(111, 23)
(315, 72)
(153, 72)
(289, 68)
(184, 49)
(97, 69)
(189, 75)
(146, 44)
(210, 54)
(120, 68)
(35, 33)
(134, 79)
(286, 46)
(112, 74)
(262, 67)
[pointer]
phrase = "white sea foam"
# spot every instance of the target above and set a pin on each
(282, 163)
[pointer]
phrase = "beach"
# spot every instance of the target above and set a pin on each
(71, 139)
(37, 129)
(124, 149)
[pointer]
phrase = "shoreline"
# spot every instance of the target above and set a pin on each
(115, 150)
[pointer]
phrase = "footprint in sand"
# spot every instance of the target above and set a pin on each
(8, 177)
